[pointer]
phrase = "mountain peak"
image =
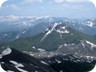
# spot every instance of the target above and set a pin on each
(58, 27)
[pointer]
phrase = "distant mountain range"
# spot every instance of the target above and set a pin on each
(58, 38)
(14, 27)
(47, 44)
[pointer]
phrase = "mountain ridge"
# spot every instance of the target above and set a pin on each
(58, 38)
(14, 60)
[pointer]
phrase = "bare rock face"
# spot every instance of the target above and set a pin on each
(14, 60)
(20, 62)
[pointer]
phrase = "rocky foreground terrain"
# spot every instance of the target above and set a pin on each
(13, 60)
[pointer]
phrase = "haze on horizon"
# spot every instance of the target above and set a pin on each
(56, 8)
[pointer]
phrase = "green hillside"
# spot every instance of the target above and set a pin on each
(51, 42)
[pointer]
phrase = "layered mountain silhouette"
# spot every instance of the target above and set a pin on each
(58, 38)
(15, 27)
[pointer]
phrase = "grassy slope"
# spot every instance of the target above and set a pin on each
(51, 42)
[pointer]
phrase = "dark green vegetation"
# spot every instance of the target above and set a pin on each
(73, 43)
(8, 36)
(51, 42)
(69, 42)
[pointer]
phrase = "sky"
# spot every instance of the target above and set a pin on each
(56, 8)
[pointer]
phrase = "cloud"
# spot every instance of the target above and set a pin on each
(71, 1)
(14, 7)
(59, 1)
(31, 1)
(76, 1)
(10, 7)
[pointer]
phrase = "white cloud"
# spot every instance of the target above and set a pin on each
(30, 1)
(72, 1)
(59, 1)
(14, 7)
(77, 0)
(10, 7)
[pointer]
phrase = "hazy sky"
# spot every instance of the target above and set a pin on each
(57, 8)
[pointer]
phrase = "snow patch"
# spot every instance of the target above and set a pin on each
(90, 23)
(57, 61)
(17, 36)
(65, 44)
(21, 70)
(61, 70)
(90, 43)
(6, 51)
(0, 56)
(44, 62)
(60, 46)
(58, 27)
(83, 45)
(34, 47)
(13, 62)
(10, 71)
(65, 31)
(32, 54)
(18, 66)
(50, 31)
(41, 50)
